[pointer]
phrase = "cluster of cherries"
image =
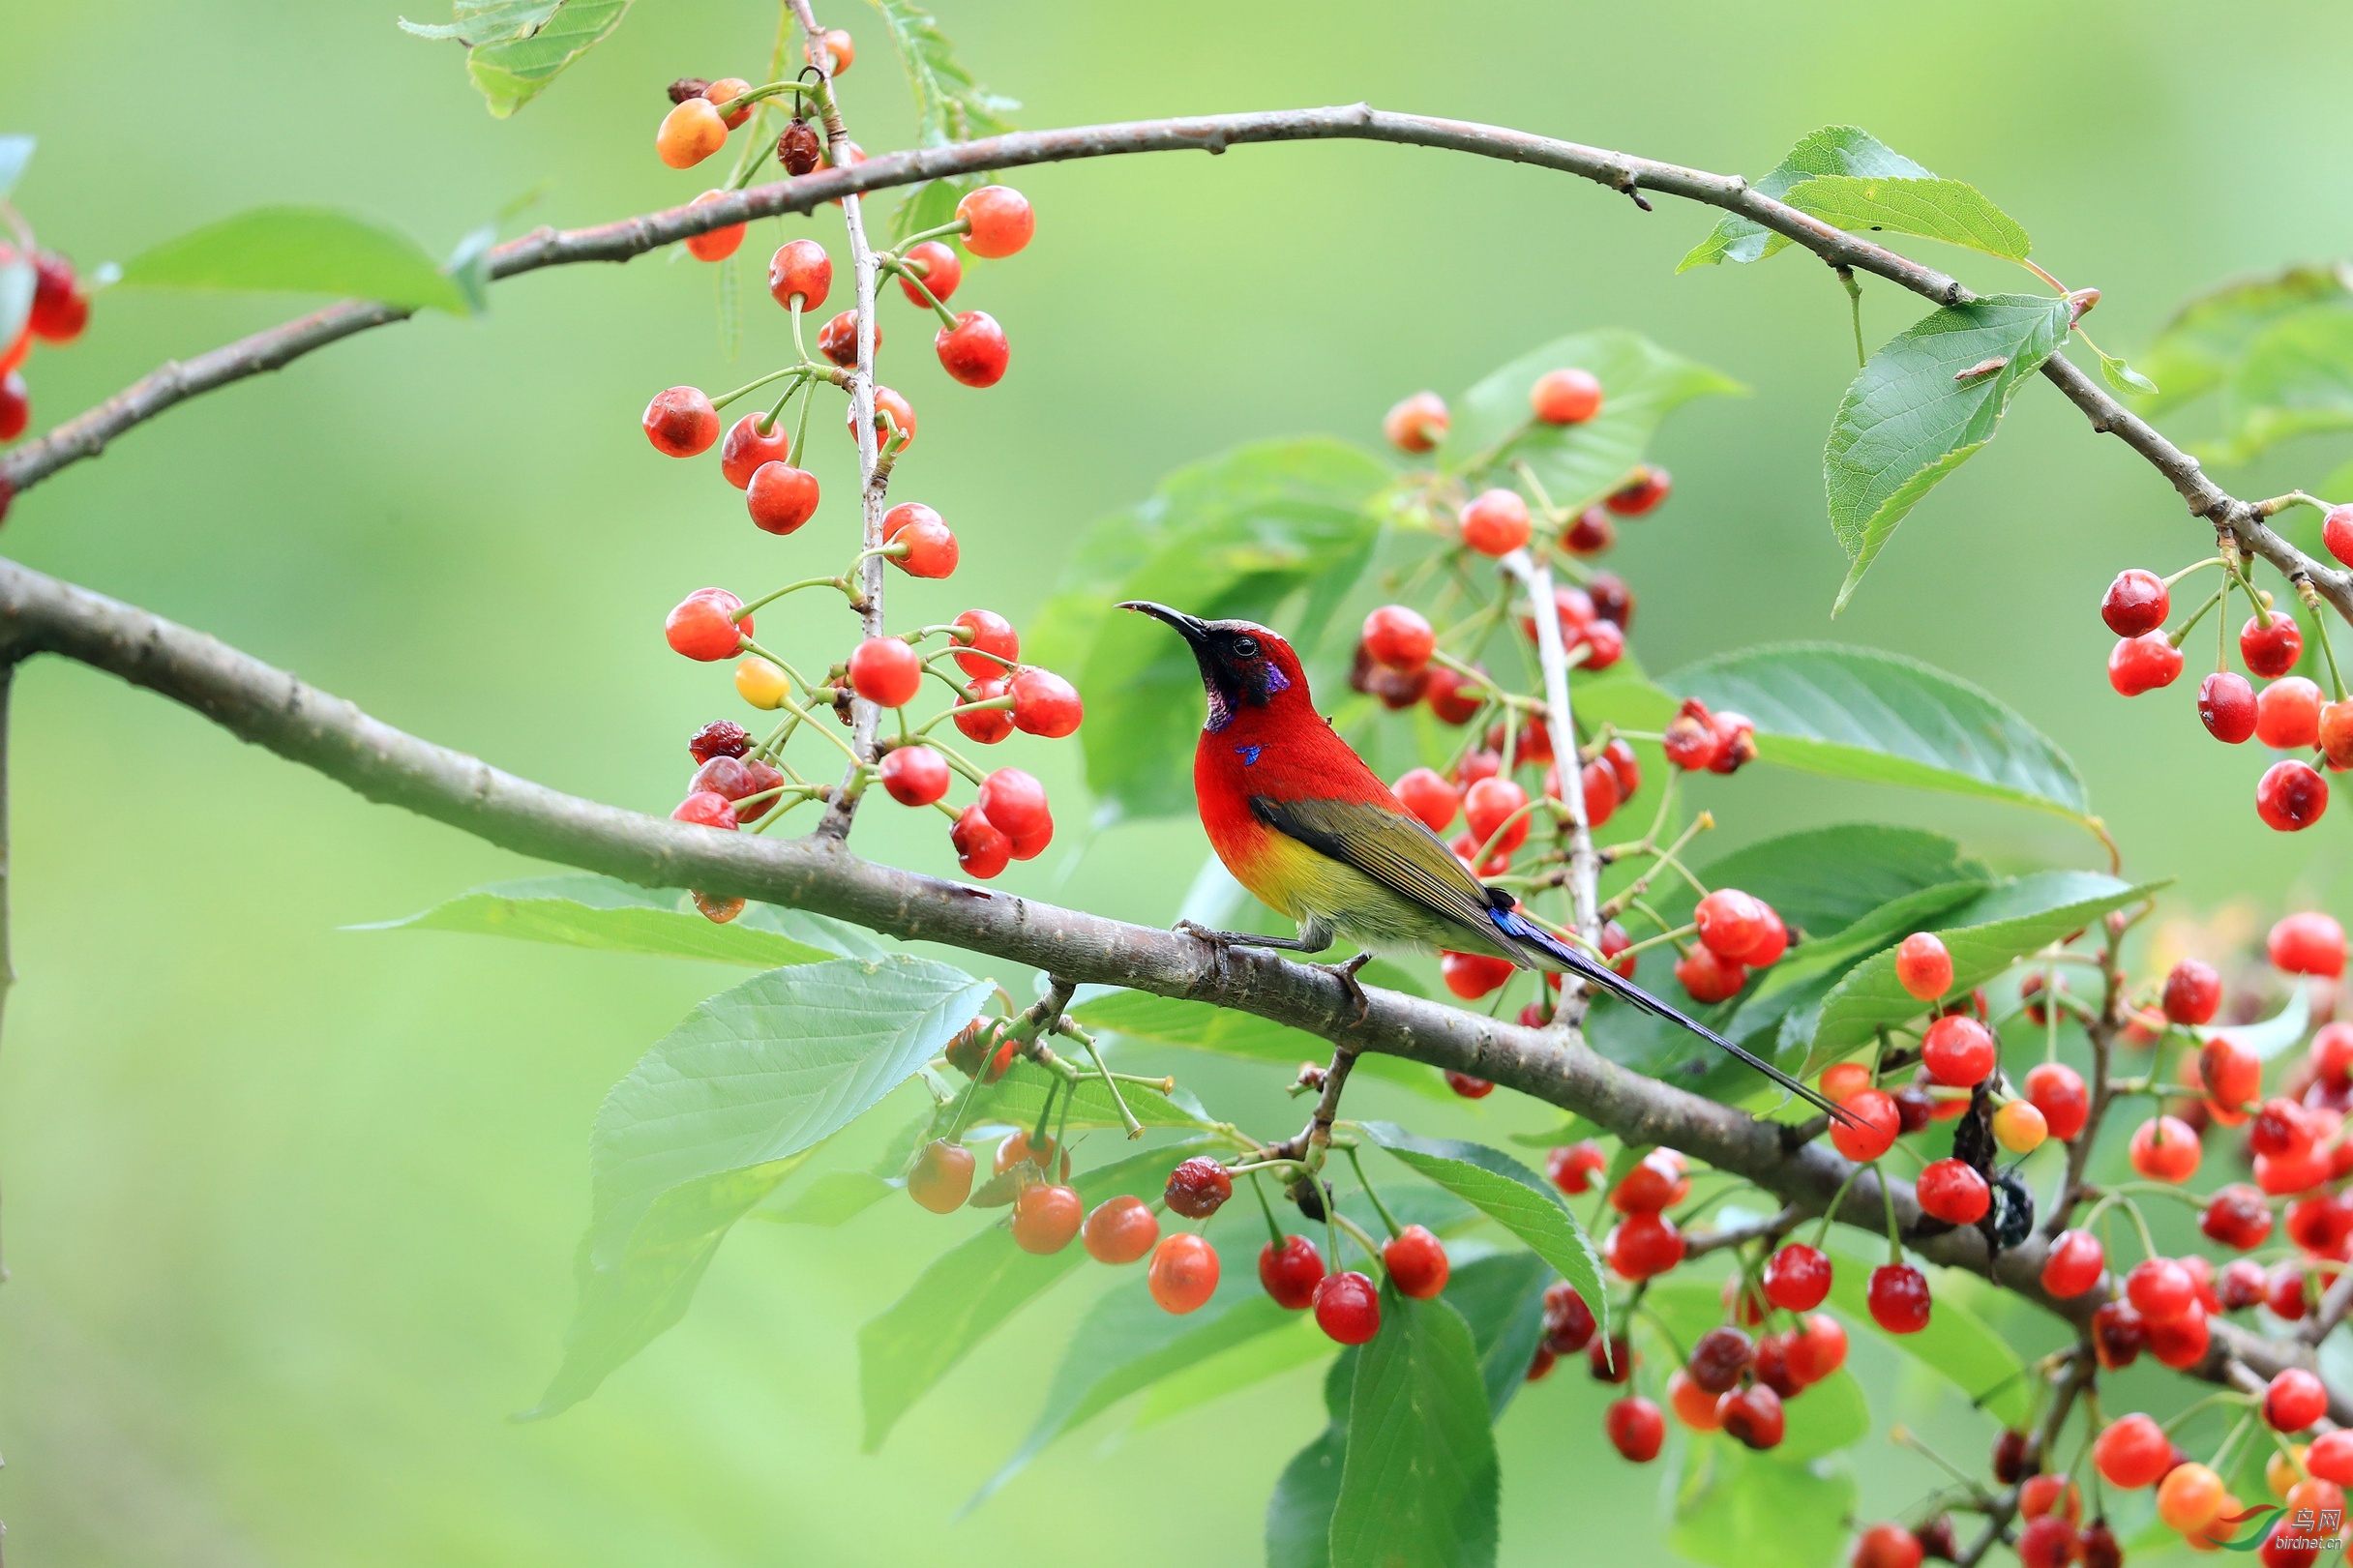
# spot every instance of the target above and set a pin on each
(2291, 713)
(60, 310)
(743, 782)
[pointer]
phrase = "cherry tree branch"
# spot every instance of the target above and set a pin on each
(87, 435)
(273, 709)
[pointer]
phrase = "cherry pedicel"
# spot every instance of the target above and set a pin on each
(800, 268)
(2143, 663)
(938, 267)
(2135, 603)
(2226, 706)
(1348, 1307)
(1416, 1262)
(2290, 796)
(914, 775)
(975, 350)
(922, 544)
(1797, 1277)
(1898, 1299)
(1565, 396)
(1636, 1429)
(2271, 650)
(1291, 1272)
(781, 497)
(1183, 1274)
(982, 850)
(681, 422)
(838, 340)
(1000, 222)
(1044, 704)
(703, 625)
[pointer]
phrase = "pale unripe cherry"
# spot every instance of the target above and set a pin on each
(1416, 424)
(1565, 396)
(762, 684)
(691, 132)
(1002, 222)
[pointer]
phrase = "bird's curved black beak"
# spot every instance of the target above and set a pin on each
(1192, 628)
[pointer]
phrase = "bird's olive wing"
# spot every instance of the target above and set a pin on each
(1387, 846)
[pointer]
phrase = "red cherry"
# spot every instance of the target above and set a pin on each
(985, 727)
(2073, 1264)
(1046, 1217)
(17, 406)
(2193, 991)
(1658, 1181)
(1454, 699)
(1000, 221)
(974, 351)
(703, 626)
(1641, 494)
(2331, 1457)
(1468, 1087)
(1291, 1272)
(1752, 1416)
(60, 307)
(1731, 923)
(1565, 396)
(801, 267)
(2336, 533)
(2143, 663)
(1184, 1272)
(2290, 796)
(681, 422)
(931, 547)
(1613, 601)
(1398, 638)
(2282, 1178)
(1624, 767)
(1876, 1125)
(1416, 1262)
(2317, 1224)
(981, 850)
(1045, 705)
(1719, 1358)
(1569, 1322)
(1430, 798)
(2287, 714)
(914, 775)
(1690, 741)
(886, 671)
(1693, 1405)
(939, 267)
(1898, 1299)
(1735, 743)
(2295, 1400)
(1922, 966)
(2058, 1091)
(2283, 1131)
(1120, 1230)
(1015, 805)
(720, 738)
(1643, 1245)
(942, 1176)
(2233, 1074)
(2180, 1343)
(1636, 1429)
(2135, 603)
(1958, 1051)
(1416, 424)
(1951, 1190)
(2308, 942)
(2226, 706)
(2240, 1284)
(838, 340)
(1708, 978)
(1599, 786)
(1886, 1546)
(2047, 1542)
(1820, 1350)
(1198, 1188)
(985, 631)
(745, 449)
(2163, 1148)
(2160, 1290)
(2118, 1333)
(707, 808)
(2271, 650)
(2133, 1451)
(2331, 1054)
(1592, 532)
(1491, 802)
(781, 497)
(1797, 1278)
(1572, 1167)
(1495, 522)
(736, 778)
(1614, 942)
(1348, 1308)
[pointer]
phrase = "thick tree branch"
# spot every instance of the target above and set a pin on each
(273, 709)
(87, 435)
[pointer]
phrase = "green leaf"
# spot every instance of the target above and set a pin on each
(1957, 1345)
(1299, 1516)
(1240, 534)
(969, 1291)
(949, 105)
(300, 250)
(1127, 1341)
(2275, 1034)
(1502, 1297)
(1805, 976)
(1985, 937)
(717, 1114)
(620, 917)
(1743, 1510)
(834, 1198)
(2296, 379)
(1017, 1098)
(14, 153)
(2204, 343)
(1835, 149)
(1823, 880)
(1949, 210)
(17, 283)
(1172, 1021)
(1857, 713)
(516, 48)
(1917, 412)
(1641, 384)
(2125, 379)
(1513, 1196)
(1420, 1484)
(1245, 1366)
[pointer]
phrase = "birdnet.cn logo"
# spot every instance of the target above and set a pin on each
(2306, 1529)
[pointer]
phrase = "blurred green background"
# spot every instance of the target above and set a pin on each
(290, 1211)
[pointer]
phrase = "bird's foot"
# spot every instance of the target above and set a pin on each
(1345, 972)
(1220, 944)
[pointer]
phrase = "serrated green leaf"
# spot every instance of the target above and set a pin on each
(1857, 713)
(2202, 344)
(1172, 1021)
(2275, 1034)
(488, 21)
(964, 1296)
(1245, 1366)
(512, 71)
(1246, 535)
(620, 917)
(1502, 1297)
(949, 105)
(2125, 379)
(1917, 412)
(1019, 1096)
(1420, 1484)
(1743, 1510)
(300, 250)
(1299, 1516)
(1128, 1342)
(16, 152)
(1832, 150)
(834, 1198)
(720, 1112)
(1986, 936)
(1957, 1345)
(1953, 211)
(1641, 384)
(1513, 1196)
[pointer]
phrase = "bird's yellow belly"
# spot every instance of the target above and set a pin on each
(1288, 876)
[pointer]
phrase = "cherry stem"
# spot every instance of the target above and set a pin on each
(790, 587)
(956, 760)
(959, 227)
(2194, 565)
(1379, 1207)
(2192, 624)
(800, 432)
(725, 399)
(2320, 626)
(1128, 1117)
(1821, 1232)
(892, 264)
(994, 704)
(1275, 1232)
(1372, 1254)
(1887, 1196)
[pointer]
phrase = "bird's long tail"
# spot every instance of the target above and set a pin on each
(1524, 931)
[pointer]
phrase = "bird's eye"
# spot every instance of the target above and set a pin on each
(1245, 647)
